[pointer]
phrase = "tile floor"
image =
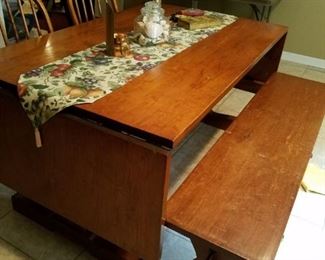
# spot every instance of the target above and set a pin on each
(304, 236)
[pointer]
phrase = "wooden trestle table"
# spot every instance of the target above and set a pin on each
(105, 166)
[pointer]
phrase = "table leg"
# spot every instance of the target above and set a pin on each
(108, 183)
(95, 245)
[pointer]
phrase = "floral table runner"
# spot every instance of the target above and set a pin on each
(88, 75)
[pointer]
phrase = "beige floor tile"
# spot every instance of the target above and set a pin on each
(225, 98)
(318, 157)
(310, 207)
(321, 133)
(312, 74)
(5, 200)
(302, 241)
(8, 252)
(35, 240)
(292, 68)
(234, 103)
(192, 151)
(176, 247)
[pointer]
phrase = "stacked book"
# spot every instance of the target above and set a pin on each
(198, 22)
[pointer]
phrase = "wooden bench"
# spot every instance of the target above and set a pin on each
(237, 201)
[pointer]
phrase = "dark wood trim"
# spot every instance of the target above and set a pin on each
(218, 120)
(269, 63)
(249, 85)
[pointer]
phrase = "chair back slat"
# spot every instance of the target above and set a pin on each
(44, 12)
(99, 8)
(26, 8)
(35, 18)
(75, 7)
(115, 6)
(23, 18)
(87, 9)
(92, 9)
(3, 33)
(11, 19)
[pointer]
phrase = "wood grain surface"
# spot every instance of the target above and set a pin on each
(27, 55)
(107, 184)
(168, 101)
(240, 195)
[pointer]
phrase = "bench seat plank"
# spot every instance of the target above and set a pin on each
(240, 195)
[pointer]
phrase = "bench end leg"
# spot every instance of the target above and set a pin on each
(206, 251)
(203, 252)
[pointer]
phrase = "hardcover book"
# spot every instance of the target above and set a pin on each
(197, 22)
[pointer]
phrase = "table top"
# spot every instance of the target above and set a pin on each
(165, 103)
(57, 45)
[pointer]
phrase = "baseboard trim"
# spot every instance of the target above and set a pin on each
(302, 59)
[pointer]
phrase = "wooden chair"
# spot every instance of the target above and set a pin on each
(131, 3)
(261, 8)
(83, 10)
(20, 27)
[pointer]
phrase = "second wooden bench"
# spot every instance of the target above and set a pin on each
(237, 201)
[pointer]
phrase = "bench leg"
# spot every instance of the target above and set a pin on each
(204, 252)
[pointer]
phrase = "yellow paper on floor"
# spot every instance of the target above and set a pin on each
(314, 179)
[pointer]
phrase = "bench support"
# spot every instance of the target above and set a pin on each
(96, 246)
(218, 120)
(204, 252)
(238, 199)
